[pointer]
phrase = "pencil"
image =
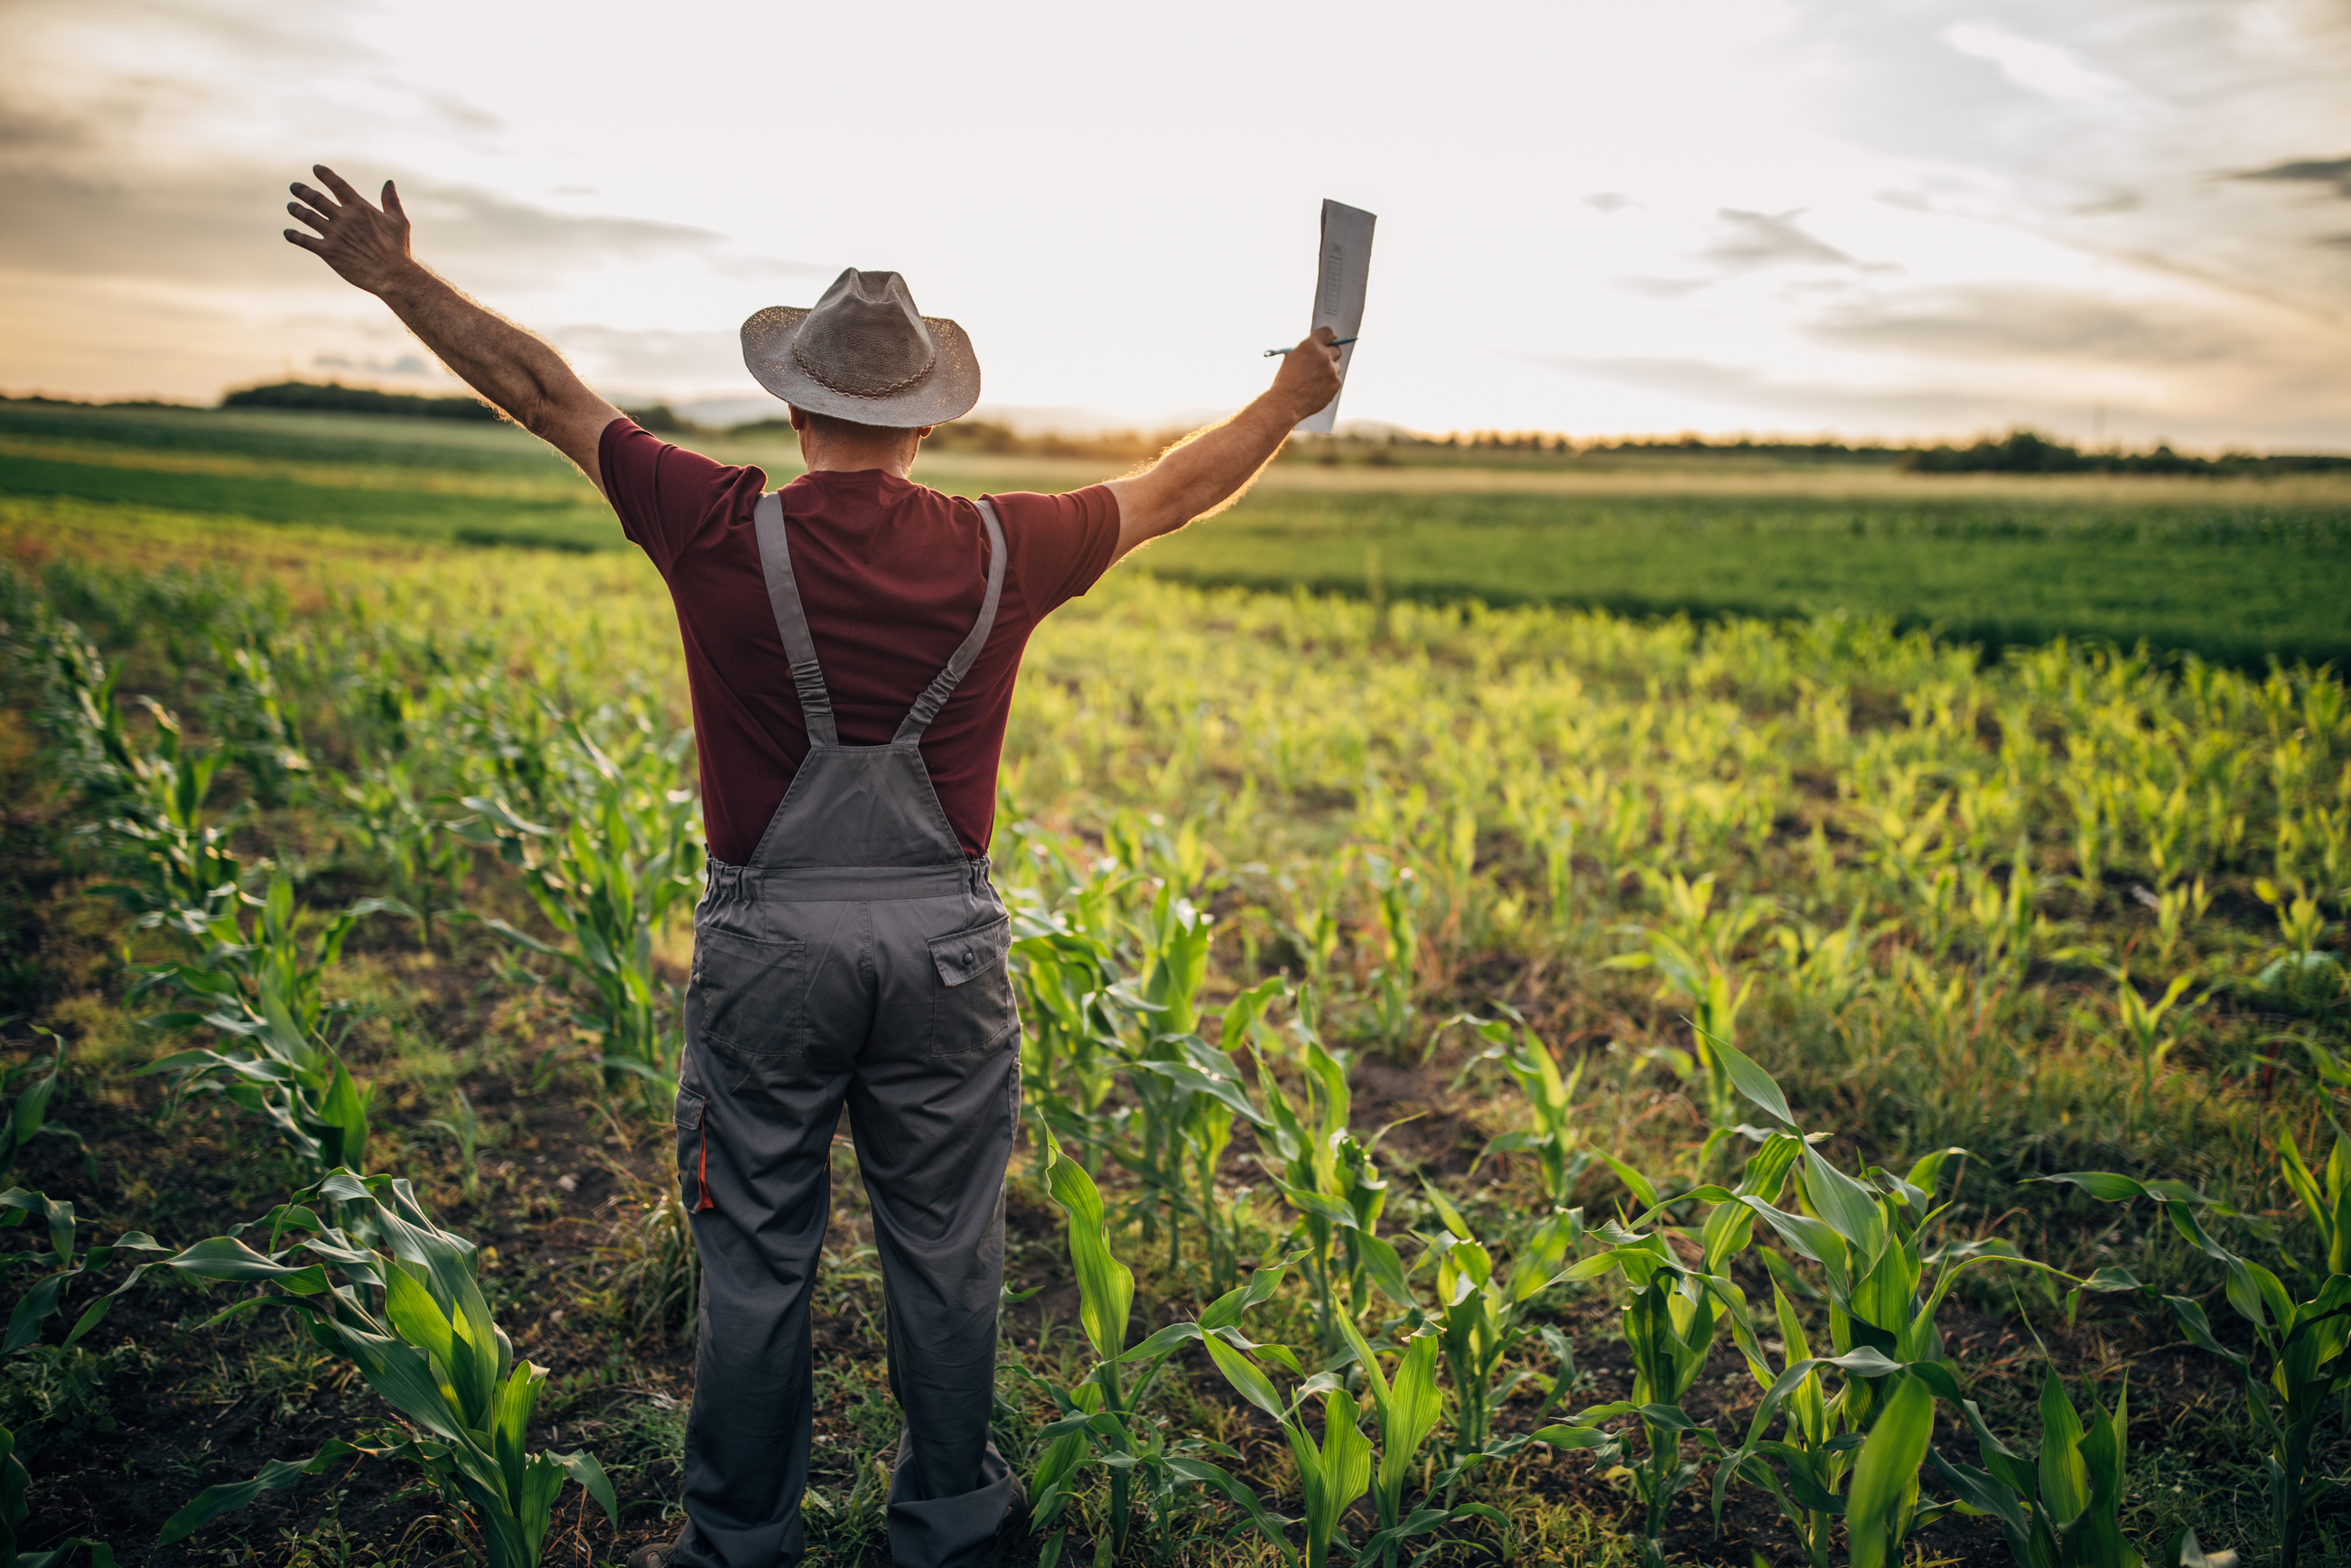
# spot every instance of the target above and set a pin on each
(1277, 353)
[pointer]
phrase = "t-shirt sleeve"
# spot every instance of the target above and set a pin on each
(668, 497)
(1059, 545)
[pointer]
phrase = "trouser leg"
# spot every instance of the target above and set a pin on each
(934, 1107)
(760, 1149)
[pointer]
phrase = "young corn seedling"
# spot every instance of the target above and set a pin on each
(35, 1083)
(1217, 1096)
(151, 799)
(1100, 1426)
(606, 884)
(1868, 1237)
(35, 1306)
(2142, 1025)
(1175, 938)
(421, 851)
(1065, 977)
(2303, 965)
(1329, 1178)
(409, 1315)
(1671, 1316)
(1691, 951)
(2300, 1369)
(2063, 1508)
(463, 1129)
(1332, 1473)
(2177, 908)
(1396, 892)
(262, 986)
(1555, 1140)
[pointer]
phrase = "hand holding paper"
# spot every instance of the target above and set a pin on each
(1344, 275)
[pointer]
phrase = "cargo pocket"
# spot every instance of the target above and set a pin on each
(693, 1123)
(747, 994)
(974, 1009)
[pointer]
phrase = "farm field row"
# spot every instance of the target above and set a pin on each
(1415, 982)
(2235, 571)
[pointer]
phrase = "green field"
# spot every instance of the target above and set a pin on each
(2235, 571)
(1435, 971)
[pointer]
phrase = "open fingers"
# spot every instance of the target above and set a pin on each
(337, 183)
(296, 236)
(316, 220)
(317, 201)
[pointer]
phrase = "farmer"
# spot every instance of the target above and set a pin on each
(851, 643)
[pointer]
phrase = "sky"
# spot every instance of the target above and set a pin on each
(1893, 219)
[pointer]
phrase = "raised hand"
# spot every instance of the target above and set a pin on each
(366, 245)
(1309, 377)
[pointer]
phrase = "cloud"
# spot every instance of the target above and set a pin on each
(406, 365)
(2043, 69)
(2030, 321)
(2335, 172)
(1752, 240)
(221, 225)
(622, 361)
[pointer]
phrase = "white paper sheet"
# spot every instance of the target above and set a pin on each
(1345, 272)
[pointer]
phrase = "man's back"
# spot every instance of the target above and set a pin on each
(891, 573)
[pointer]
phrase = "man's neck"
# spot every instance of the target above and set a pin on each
(843, 457)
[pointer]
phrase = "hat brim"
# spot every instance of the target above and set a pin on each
(947, 392)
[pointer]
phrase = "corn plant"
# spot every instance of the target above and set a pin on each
(1174, 938)
(2302, 1336)
(409, 1315)
(463, 1128)
(1396, 894)
(1100, 1427)
(1556, 1139)
(150, 796)
(1332, 1473)
(35, 1307)
(1312, 923)
(35, 1083)
(2142, 1025)
(1868, 1239)
(2061, 1509)
(2177, 908)
(2304, 929)
(420, 848)
(1065, 977)
(1691, 949)
(1672, 1313)
(251, 713)
(1328, 1177)
(1217, 1096)
(606, 883)
(1481, 1320)
(263, 990)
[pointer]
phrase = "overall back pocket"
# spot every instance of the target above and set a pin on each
(973, 1009)
(747, 993)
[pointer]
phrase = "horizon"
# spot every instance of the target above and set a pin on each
(2119, 226)
(1039, 424)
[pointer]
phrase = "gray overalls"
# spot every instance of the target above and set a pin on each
(859, 957)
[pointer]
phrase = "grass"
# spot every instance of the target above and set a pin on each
(2235, 571)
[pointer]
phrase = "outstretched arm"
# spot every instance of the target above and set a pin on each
(1205, 473)
(528, 382)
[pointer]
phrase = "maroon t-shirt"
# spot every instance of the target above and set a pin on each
(891, 574)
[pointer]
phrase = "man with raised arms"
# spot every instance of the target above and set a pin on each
(852, 642)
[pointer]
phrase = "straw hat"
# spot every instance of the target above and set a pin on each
(865, 354)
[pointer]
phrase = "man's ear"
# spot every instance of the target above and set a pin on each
(925, 431)
(799, 416)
